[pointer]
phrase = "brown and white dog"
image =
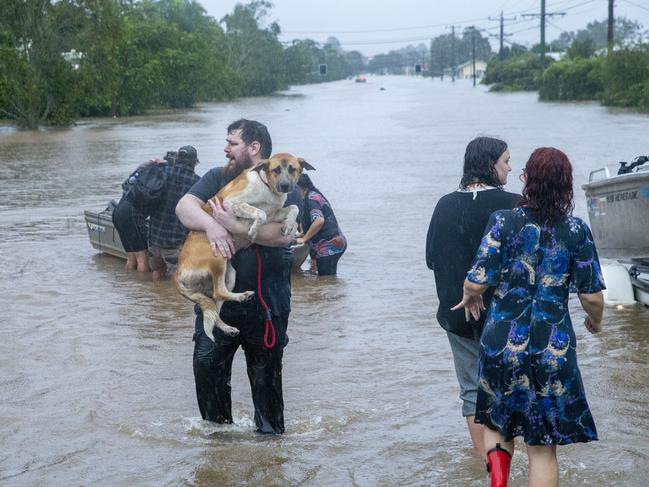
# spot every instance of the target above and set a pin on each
(257, 195)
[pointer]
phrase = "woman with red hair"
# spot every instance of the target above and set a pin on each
(530, 385)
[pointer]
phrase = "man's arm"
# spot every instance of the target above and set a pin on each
(269, 235)
(191, 214)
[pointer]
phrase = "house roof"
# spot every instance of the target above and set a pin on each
(469, 63)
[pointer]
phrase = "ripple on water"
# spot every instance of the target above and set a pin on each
(97, 361)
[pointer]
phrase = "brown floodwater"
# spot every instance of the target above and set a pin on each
(96, 384)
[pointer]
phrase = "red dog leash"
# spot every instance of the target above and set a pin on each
(269, 334)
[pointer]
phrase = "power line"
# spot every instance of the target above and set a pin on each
(395, 29)
(367, 43)
(566, 4)
(636, 5)
(542, 15)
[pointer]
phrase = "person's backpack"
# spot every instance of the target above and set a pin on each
(145, 187)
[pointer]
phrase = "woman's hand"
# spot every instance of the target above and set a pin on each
(592, 326)
(472, 305)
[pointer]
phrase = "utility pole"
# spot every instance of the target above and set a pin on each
(543, 15)
(611, 24)
(473, 51)
(502, 32)
(453, 53)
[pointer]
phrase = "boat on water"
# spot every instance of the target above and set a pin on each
(618, 210)
(361, 79)
(105, 238)
(102, 233)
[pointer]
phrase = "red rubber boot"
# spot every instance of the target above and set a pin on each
(498, 462)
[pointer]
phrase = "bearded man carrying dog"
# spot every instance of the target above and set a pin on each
(247, 143)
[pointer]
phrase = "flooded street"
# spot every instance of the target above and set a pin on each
(96, 384)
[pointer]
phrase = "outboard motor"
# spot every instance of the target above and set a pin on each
(626, 167)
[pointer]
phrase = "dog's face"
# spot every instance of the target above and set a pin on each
(282, 171)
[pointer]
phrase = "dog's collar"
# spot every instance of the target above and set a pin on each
(262, 180)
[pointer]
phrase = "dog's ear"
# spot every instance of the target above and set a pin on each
(305, 165)
(262, 166)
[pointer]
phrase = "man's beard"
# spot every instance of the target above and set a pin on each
(237, 166)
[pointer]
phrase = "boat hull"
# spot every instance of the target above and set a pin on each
(104, 237)
(639, 272)
(102, 233)
(618, 210)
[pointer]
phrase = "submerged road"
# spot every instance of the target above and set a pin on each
(96, 384)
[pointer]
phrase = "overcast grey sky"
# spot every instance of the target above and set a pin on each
(378, 26)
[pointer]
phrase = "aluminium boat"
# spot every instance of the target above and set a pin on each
(104, 237)
(618, 210)
(102, 233)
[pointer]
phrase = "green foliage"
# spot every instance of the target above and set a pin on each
(356, 62)
(303, 58)
(440, 55)
(446, 52)
(519, 73)
(396, 61)
(619, 79)
(578, 79)
(581, 48)
(34, 77)
(255, 53)
(60, 59)
(514, 50)
(626, 75)
(627, 32)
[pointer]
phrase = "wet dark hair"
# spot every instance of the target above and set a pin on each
(480, 157)
(253, 131)
(305, 182)
(548, 185)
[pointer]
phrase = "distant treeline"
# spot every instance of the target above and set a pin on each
(65, 59)
(586, 71)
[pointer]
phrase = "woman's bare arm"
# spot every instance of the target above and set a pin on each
(593, 305)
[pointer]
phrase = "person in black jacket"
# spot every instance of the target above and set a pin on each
(132, 228)
(455, 231)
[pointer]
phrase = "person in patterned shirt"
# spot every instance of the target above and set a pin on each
(321, 228)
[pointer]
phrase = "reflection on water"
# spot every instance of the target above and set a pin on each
(97, 385)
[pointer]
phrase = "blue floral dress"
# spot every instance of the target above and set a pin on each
(530, 384)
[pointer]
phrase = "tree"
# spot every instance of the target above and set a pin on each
(626, 78)
(440, 55)
(33, 73)
(581, 48)
(395, 62)
(100, 41)
(627, 32)
(464, 47)
(254, 53)
(356, 61)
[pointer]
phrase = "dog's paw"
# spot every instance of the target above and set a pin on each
(252, 233)
(229, 330)
(246, 295)
(288, 229)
